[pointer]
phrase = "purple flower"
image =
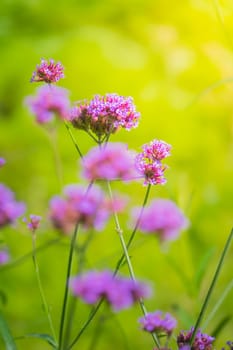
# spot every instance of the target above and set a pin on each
(34, 222)
(119, 292)
(104, 115)
(49, 101)
(201, 341)
(163, 218)
(112, 162)
(90, 209)
(148, 162)
(10, 210)
(48, 71)
(156, 322)
(2, 162)
(4, 257)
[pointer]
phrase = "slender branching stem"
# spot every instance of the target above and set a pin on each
(127, 257)
(212, 285)
(42, 295)
(73, 139)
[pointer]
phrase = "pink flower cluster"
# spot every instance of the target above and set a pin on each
(119, 292)
(33, 223)
(155, 322)
(48, 72)
(91, 209)
(104, 115)
(163, 218)
(10, 210)
(49, 101)
(112, 162)
(201, 341)
(148, 162)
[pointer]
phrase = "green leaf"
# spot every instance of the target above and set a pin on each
(6, 335)
(48, 338)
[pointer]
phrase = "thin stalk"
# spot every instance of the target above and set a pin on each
(130, 267)
(65, 299)
(212, 285)
(120, 261)
(42, 295)
(73, 139)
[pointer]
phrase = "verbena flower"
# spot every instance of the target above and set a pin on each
(2, 161)
(148, 162)
(48, 72)
(161, 217)
(201, 341)
(104, 115)
(48, 102)
(112, 162)
(91, 209)
(156, 322)
(34, 222)
(4, 257)
(10, 209)
(119, 292)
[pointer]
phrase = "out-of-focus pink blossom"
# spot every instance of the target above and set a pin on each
(155, 322)
(4, 257)
(162, 218)
(90, 209)
(48, 102)
(10, 209)
(48, 72)
(119, 292)
(2, 161)
(112, 162)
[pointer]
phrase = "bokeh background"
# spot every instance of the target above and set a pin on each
(176, 59)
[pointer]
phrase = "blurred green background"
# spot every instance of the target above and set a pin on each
(176, 59)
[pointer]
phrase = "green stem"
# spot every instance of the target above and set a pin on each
(42, 295)
(73, 139)
(130, 267)
(212, 285)
(65, 299)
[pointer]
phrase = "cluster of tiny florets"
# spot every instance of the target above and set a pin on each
(48, 72)
(161, 217)
(119, 292)
(111, 162)
(48, 102)
(4, 257)
(104, 115)
(148, 162)
(201, 341)
(10, 209)
(155, 322)
(33, 222)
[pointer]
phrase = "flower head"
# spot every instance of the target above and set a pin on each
(148, 162)
(48, 71)
(49, 101)
(90, 208)
(104, 115)
(112, 162)
(34, 222)
(2, 161)
(201, 341)
(10, 210)
(4, 257)
(119, 292)
(155, 322)
(163, 218)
